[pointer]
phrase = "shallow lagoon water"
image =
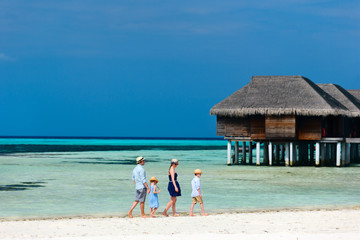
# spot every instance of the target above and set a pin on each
(68, 183)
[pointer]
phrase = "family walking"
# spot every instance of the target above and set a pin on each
(142, 188)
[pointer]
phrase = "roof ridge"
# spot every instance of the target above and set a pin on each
(324, 95)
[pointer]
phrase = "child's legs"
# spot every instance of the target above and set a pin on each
(192, 207)
(153, 211)
(202, 208)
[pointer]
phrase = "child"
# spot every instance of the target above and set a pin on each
(196, 193)
(153, 196)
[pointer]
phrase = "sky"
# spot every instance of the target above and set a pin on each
(154, 68)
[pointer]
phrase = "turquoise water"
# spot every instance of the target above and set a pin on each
(80, 182)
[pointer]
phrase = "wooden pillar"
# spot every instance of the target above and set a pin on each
(243, 161)
(277, 154)
(333, 154)
(338, 154)
(229, 153)
(323, 154)
(352, 152)
(347, 154)
(236, 148)
(317, 154)
(356, 157)
(258, 154)
(291, 153)
(343, 154)
(270, 153)
(282, 152)
(266, 153)
(250, 153)
(287, 154)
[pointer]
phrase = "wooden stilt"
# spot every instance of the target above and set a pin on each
(250, 153)
(266, 153)
(338, 154)
(333, 154)
(317, 154)
(243, 161)
(282, 158)
(229, 153)
(323, 154)
(270, 153)
(277, 154)
(236, 147)
(343, 154)
(347, 154)
(258, 154)
(287, 154)
(352, 152)
(291, 153)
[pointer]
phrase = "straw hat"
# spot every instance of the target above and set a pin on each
(197, 171)
(139, 159)
(154, 179)
(174, 160)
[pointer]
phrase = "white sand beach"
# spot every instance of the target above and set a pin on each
(289, 224)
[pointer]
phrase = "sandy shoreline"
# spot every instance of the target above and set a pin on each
(285, 224)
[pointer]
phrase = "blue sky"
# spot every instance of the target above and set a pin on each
(155, 68)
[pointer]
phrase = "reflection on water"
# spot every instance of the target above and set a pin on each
(21, 186)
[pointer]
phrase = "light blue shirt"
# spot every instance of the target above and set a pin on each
(139, 176)
(195, 184)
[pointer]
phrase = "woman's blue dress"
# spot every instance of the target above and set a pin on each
(153, 199)
(171, 187)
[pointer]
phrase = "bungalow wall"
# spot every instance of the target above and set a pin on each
(271, 127)
(309, 128)
(280, 127)
(334, 126)
(235, 127)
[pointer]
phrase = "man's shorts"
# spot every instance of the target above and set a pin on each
(197, 199)
(140, 195)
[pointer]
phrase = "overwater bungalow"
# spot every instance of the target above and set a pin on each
(297, 121)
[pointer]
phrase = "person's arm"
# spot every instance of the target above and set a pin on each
(198, 187)
(154, 191)
(172, 174)
(147, 187)
(143, 179)
(133, 177)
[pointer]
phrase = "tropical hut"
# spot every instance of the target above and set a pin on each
(285, 111)
(348, 126)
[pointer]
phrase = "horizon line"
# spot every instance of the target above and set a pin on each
(113, 137)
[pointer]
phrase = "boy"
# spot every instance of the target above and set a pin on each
(196, 193)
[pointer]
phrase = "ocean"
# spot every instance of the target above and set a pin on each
(49, 177)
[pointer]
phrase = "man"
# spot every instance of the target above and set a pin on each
(139, 178)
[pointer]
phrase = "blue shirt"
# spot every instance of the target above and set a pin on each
(139, 176)
(195, 184)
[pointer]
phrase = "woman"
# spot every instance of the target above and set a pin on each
(173, 188)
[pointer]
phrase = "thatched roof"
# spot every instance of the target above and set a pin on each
(355, 93)
(279, 95)
(343, 96)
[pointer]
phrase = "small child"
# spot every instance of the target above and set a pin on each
(153, 196)
(196, 193)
